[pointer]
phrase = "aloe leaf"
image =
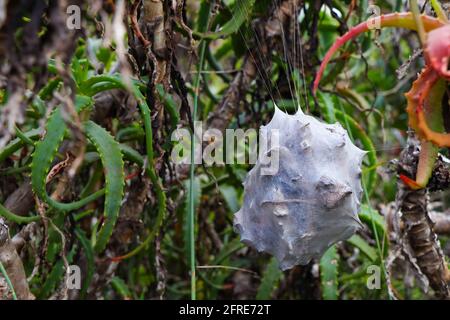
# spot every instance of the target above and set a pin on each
(111, 156)
(44, 153)
(365, 248)
(271, 277)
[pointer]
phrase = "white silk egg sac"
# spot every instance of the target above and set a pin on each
(311, 201)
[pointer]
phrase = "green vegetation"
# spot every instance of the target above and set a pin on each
(87, 122)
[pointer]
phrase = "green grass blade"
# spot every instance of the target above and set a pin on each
(89, 254)
(328, 274)
(8, 281)
(191, 206)
(121, 288)
(18, 143)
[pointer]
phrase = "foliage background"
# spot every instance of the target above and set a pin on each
(251, 55)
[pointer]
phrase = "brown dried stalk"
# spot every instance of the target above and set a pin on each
(418, 234)
(220, 118)
(13, 264)
(153, 18)
(254, 65)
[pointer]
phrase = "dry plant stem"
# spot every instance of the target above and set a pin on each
(221, 117)
(441, 222)
(41, 211)
(440, 179)
(135, 25)
(10, 115)
(58, 167)
(211, 232)
(281, 16)
(423, 240)
(153, 21)
(418, 226)
(13, 264)
(153, 17)
(64, 180)
(179, 17)
(21, 200)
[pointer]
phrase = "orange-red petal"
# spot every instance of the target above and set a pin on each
(410, 182)
(437, 50)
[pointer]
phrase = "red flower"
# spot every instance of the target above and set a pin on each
(437, 50)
